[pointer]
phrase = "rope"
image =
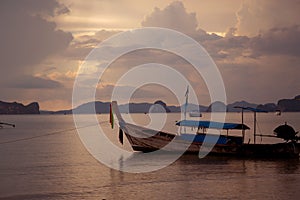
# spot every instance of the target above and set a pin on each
(47, 134)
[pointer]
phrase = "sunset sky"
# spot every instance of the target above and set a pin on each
(254, 43)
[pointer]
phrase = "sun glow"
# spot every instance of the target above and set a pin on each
(222, 34)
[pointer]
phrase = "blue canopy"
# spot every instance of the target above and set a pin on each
(211, 124)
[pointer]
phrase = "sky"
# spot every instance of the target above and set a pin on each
(254, 43)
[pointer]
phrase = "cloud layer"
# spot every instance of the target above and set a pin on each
(27, 38)
(258, 58)
(257, 16)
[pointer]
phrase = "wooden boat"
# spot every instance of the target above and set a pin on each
(148, 140)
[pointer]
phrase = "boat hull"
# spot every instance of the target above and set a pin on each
(148, 140)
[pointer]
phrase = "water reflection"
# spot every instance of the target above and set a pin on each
(290, 166)
(59, 167)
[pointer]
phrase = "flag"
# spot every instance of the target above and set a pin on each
(121, 136)
(111, 116)
(187, 91)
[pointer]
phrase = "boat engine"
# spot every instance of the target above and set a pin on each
(286, 132)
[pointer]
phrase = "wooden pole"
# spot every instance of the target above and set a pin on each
(254, 127)
(243, 130)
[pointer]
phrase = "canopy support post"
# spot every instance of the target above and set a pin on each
(243, 130)
(254, 127)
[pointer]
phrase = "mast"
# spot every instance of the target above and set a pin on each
(186, 101)
(186, 104)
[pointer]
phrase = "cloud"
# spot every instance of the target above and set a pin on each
(34, 7)
(228, 47)
(33, 82)
(259, 69)
(256, 16)
(83, 45)
(27, 37)
(258, 58)
(276, 41)
(260, 80)
(29, 40)
(251, 65)
(175, 17)
(280, 41)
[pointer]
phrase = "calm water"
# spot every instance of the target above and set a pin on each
(43, 158)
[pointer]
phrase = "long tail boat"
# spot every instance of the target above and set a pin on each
(148, 140)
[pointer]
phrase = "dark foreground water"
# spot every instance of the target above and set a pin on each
(43, 158)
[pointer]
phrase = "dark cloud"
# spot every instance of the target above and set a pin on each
(32, 82)
(33, 7)
(227, 47)
(280, 41)
(276, 41)
(26, 37)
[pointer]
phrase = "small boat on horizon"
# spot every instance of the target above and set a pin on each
(148, 140)
(2, 124)
(278, 112)
(195, 113)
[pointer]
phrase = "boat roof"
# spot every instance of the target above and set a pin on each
(212, 124)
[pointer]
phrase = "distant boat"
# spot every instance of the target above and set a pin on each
(2, 124)
(278, 112)
(195, 114)
(148, 140)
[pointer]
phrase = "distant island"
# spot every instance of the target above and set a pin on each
(289, 105)
(103, 107)
(283, 105)
(18, 108)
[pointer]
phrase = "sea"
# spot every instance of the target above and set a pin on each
(43, 157)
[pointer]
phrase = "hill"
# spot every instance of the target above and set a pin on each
(18, 108)
(289, 105)
(285, 105)
(231, 107)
